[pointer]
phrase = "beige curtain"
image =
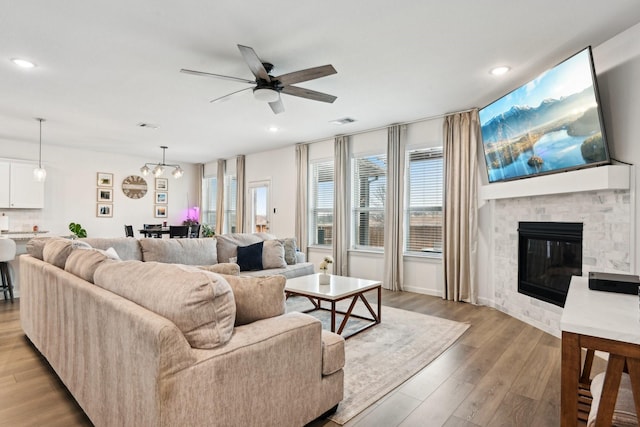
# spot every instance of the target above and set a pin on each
(222, 166)
(240, 214)
(200, 200)
(302, 162)
(460, 231)
(394, 209)
(340, 206)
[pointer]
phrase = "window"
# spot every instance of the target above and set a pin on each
(321, 203)
(230, 197)
(423, 206)
(369, 184)
(210, 192)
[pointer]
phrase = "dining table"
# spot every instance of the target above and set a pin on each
(151, 231)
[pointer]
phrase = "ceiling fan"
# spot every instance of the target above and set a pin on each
(267, 87)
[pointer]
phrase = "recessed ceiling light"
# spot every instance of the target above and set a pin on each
(498, 71)
(273, 129)
(23, 63)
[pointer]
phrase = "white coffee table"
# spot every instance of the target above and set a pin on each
(339, 288)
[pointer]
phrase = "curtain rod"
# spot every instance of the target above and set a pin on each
(425, 119)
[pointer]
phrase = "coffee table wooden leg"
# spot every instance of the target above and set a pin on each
(333, 316)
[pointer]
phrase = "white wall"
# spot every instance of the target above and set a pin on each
(70, 192)
(278, 167)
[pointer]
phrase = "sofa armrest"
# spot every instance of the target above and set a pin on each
(273, 366)
(301, 257)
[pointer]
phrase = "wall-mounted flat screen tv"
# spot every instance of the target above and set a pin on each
(551, 124)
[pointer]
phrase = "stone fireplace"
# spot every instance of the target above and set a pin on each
(606, 244)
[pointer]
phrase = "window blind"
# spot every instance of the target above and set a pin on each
(423, 213)
(321, 202)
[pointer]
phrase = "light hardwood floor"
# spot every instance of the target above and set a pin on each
(501, 372)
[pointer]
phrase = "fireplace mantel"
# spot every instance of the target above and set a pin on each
(611, 177)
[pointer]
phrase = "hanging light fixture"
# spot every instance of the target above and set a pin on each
(158, 168)
(39, 173)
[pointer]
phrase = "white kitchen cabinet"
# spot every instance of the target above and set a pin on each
(18, 189)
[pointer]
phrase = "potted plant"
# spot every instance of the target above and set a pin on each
(77, 230)
(207, 231)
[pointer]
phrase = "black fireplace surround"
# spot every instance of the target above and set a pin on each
(549, 253)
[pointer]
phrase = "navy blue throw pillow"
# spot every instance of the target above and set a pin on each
(250, 257)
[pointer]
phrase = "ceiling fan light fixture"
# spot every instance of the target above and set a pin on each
(266, 94)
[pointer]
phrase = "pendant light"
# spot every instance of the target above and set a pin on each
(39, 173)
(158, 168)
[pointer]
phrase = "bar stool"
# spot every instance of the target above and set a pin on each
(7, 253)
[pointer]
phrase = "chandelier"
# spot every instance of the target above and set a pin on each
(158, 168)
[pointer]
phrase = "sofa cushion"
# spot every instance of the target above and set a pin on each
(35, 246)
(290, 247)
(56, 251)
(198, 302)
(83, 263)
(290, 271)
(126, 248)
(229, 268)
(180, 251)
(250, 257)
(257, 297)
(273, 254)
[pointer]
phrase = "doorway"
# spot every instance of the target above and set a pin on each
(260, 206)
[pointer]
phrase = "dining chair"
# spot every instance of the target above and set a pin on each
(194, 232)
(153, 226)
(128, 230)
(178, 231)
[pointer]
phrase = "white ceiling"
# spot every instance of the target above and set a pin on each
(105, 66)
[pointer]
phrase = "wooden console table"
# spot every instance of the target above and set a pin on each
(606, 322)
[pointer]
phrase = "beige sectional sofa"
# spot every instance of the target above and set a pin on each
(167, 344)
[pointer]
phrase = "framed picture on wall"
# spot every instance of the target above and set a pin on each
(104, 210)
(105, 194)
(105, 179)
(162, 184)
(160, 211)
(162, 197)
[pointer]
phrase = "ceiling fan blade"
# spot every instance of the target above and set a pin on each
(254, 63)
(277, 106)
(308, 93)
(219, 76)
(224, 98)
(305, 75)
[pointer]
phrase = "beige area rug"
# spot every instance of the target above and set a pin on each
(383, 357)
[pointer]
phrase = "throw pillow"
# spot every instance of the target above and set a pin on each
(84, 263)
(273, 254)
(250, 257)
(257, 297)
(56, 252)
(198, 302)
(289, 250)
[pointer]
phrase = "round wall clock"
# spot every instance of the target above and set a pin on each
(134, 187)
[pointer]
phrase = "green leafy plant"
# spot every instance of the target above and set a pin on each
(207, 231)
(77, 230)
